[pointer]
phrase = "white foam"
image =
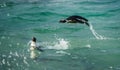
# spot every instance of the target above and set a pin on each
(62, 52)
(61, 44)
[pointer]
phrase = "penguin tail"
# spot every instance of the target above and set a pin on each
(87, 23)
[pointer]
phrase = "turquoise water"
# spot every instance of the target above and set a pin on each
(67, 46)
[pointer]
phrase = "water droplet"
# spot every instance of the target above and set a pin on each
(0, 43)
(18, 44)
(14, 59)
(4, 5)
(110, 67)
(9, 69)
(16, 54)
(3, 55)
(8, 14)
(0, 63)
(9, 56)
(93, 63)
(10, 45)
(3, 37)
(25, 58)
(75, 57)
(8, 37)
(84, 57)
(103, 51)
(3, 61)
(88, 46)
(25, 62)
(17, 64)
(11, 53)
(8, 63)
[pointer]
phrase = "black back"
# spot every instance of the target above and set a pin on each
(78, 18)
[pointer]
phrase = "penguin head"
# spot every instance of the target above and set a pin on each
(62, 21)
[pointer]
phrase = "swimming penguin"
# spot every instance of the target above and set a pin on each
(75, 19)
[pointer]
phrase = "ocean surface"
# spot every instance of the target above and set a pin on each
(66, 46)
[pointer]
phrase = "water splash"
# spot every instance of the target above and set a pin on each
(61, 44)
(97, 36)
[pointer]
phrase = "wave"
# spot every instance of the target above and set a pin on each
(18, 18)
(111, 28)
(115, 10)
(107, 13)
(97, 2)
(56, 30)
(20, 1)
(35, 16)
(46, 13)
(103, 8)
(32, 15)
(97, 14)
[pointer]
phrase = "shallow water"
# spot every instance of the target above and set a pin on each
(67, 46)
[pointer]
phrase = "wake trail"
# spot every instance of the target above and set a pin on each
(97, 36)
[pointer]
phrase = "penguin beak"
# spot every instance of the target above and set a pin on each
(62, 21)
